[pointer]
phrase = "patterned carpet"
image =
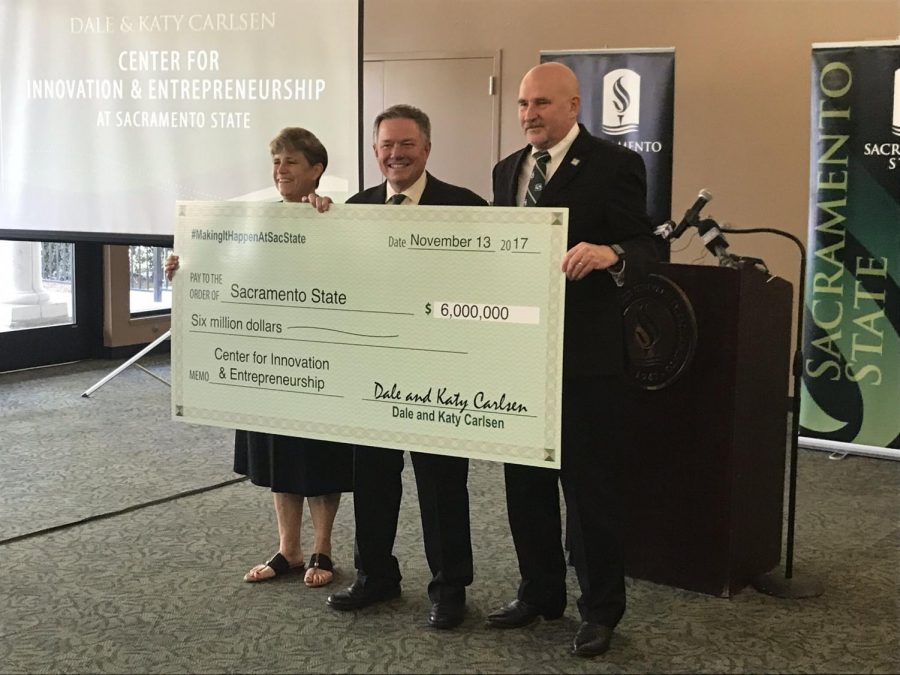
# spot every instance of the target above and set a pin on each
(66, 458)
(158, 589)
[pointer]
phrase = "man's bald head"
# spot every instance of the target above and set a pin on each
(553, 74)
(548, 104)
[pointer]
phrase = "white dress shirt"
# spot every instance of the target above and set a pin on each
(413, 192)
(557, 152)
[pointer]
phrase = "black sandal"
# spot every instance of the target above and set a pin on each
(280, 566)
(322, 562)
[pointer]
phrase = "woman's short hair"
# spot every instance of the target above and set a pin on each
(295, 139)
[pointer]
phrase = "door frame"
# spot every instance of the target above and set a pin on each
(494, 85)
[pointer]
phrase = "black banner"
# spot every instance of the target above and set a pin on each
(628, 97)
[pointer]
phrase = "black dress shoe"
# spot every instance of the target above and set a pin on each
(517, 614)
(592, 639)
(445, 614)
(361, 595)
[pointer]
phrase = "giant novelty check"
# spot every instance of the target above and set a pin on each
(435, 329)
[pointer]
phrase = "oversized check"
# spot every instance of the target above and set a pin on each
(435, 329)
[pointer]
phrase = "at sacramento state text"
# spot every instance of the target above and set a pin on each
(222, 236)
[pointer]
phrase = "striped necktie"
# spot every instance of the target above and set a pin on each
(538, 178)
(397, 199)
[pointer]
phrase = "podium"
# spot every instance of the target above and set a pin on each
(706, 425)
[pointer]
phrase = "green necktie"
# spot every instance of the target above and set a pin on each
(538, 178)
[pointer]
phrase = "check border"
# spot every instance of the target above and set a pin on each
(193, 215)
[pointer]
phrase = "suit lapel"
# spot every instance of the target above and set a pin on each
(428, 192)
(568, 168)
(511, 187)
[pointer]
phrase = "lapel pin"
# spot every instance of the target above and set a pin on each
(575, 161)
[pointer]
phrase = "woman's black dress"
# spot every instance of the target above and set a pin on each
(300, 466)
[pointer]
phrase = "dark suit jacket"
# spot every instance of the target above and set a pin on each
(436, 193)
(604, 185)
(441, 480)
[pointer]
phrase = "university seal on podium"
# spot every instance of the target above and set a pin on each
(660, 332)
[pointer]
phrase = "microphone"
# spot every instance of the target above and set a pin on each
(691, 215)
(715, 242)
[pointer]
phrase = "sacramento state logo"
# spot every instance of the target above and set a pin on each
(660, 333)
(621, 102)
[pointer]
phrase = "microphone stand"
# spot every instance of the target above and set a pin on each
(775, 582)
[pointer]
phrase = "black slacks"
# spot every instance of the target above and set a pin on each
(591, 477)
(444, 507)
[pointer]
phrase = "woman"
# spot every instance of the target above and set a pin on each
(295, 468)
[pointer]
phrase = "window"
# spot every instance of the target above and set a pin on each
(36, 284)
(149, 292)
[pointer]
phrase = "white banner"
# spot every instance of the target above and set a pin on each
(111, 111)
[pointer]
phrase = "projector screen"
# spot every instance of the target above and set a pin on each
(111, 110)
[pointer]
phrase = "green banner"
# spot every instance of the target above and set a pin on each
(851, 365)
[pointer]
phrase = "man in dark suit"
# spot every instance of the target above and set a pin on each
(402, 143)
(610, 241)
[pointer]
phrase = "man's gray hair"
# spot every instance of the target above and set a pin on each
(403, 111)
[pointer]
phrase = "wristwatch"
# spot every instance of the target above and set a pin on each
(620, 263)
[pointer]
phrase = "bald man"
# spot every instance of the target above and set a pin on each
(610, 244)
